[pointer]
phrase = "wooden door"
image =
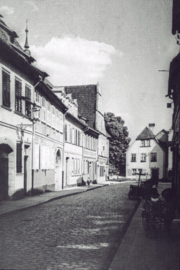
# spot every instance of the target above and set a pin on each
(3, 178)
(155, 175)
(67, 171)
(25, 174)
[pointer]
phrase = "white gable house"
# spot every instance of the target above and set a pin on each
(149, 154)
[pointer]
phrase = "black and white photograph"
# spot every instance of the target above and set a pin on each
(90, 134)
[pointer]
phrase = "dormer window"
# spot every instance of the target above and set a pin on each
(142, 143)
(145, 143)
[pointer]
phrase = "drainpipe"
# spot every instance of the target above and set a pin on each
(33, 135)
(63, 149)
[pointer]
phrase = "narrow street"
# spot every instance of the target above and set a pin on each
(77, 232)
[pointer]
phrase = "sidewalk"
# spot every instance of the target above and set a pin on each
(138, 252)
(7, 207)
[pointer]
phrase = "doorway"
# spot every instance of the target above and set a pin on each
(155, 175)
(25, 174)
(3, 178)
(67, 171)
(5, 150)
(58, 178)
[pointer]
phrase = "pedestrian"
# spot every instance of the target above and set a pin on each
(88, 182)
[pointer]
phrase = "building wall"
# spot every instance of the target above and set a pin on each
(90, 164)
(48, 144)
(73, 153)
(10, 131)
(73, 161)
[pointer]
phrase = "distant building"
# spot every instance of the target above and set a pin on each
(80, 143)
(89, 101)
(48, 137)
(149, 154)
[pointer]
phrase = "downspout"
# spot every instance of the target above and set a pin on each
(63, 149)
(33, 135)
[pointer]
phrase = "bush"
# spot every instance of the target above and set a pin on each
(19, 194)
(35, 191)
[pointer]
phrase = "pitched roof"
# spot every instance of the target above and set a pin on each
(10, 37)
(86, 98)
(146, 134)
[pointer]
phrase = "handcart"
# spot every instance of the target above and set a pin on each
(140, 190)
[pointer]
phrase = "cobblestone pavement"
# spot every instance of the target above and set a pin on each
(77, 232)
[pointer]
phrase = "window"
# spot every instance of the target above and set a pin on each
(27, 102)
(43, 109)
(142, 143)
(48, 105)
(153, 157)
(143, 157)
(18, 93)
(133, 157)
(65, 132)
(37, 96)
(72, 165)
(133, 171)
(75, 134)
(147, 142)
(6, 88)
(18, 158)
(43, 101)
(70, 134)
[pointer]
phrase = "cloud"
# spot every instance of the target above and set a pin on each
(35, 8)
(74, 60)
(7, 10)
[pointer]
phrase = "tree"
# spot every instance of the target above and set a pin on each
(119, 142)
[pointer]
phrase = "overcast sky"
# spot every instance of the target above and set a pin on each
(122, 44)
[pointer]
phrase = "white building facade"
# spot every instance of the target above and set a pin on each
(147, 154)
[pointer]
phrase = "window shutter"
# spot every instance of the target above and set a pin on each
(18, 91)
(6, 88)
(27, 102)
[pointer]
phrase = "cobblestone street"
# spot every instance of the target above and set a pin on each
(77, 232)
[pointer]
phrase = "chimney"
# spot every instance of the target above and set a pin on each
(151, 126)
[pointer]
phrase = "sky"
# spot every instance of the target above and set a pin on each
(122, 44)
